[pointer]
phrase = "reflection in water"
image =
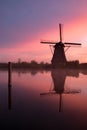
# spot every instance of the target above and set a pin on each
(9, 84)
(29, 109)
(9, 96)
(58, 77)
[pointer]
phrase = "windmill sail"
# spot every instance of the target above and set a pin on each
(60, 32)
(46, 42)
(68, 43)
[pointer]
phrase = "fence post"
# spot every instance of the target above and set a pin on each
(9, 73)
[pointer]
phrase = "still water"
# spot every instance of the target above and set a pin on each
(45, 100)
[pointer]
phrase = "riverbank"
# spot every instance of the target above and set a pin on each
(34, 65)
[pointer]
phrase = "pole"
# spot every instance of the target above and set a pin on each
(9, 84)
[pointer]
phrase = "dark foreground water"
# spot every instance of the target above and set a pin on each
(45, 100)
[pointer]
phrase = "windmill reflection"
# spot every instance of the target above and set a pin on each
(59, 77)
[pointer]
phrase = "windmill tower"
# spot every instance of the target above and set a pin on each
(59, 57)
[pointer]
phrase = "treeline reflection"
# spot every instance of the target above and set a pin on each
(66, 72)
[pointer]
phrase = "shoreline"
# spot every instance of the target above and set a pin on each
(44, 66)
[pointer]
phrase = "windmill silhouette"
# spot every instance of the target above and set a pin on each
(59, 57)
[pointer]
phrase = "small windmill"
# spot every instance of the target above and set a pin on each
(59, 53)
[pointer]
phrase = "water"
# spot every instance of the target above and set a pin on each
(45, 100)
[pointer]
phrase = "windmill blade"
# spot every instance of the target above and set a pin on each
(60, 30)
(48, 42)
(68, 43)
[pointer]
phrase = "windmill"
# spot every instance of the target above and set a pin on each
(59, 57)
